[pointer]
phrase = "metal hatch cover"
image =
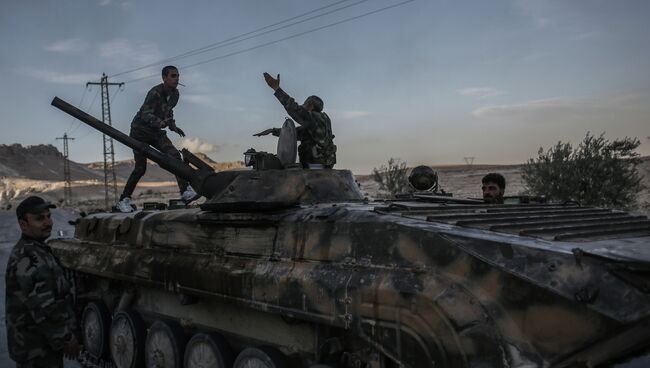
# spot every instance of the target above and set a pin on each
(287, 143)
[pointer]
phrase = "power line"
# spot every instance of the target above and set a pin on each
(220, 43)
(72, 121)
(87, 109)
(276, 29)
(90, 130)
(283, 39)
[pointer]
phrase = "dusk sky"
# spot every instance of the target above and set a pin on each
(427, 81)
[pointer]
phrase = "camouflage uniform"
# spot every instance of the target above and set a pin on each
(40, 317)
(315, 133)
(146, 127)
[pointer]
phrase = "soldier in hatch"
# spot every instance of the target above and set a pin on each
(148, 126)
(39, 314)
(494, 186)
(317, 149)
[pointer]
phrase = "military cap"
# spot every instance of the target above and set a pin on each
(33, 205)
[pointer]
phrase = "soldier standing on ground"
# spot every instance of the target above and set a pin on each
(317, 149)
(494, 186)
(40, 317)
(148, 126)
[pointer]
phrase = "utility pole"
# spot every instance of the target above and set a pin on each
(67, 189)
(110, 181)
(469, 160)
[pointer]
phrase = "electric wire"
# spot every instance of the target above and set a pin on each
(81, 101)
(282, 39)
(275, 29)
(229, 40)
(88, 109)
(113, 103)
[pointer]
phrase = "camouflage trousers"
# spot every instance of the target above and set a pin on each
(52, 359)
(158, 140)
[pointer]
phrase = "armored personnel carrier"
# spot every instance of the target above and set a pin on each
(287, 267)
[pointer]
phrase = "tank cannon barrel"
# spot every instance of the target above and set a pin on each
(176, 167)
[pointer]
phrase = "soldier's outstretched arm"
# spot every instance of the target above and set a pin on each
(296, 111)
(38, 291)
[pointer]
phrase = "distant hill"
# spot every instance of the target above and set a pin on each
(45, 162)
(40, 162)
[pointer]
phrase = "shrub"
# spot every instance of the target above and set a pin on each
(391, 178)
(598, 172)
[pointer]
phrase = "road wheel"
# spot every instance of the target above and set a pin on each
(164, 345)
(208, 350)
(95, 322)
(262, 357)
(126, 339)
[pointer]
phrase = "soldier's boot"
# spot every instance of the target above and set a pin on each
(124, 205)
(190, 195)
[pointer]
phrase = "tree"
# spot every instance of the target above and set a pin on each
(598, 172)
(392, 177)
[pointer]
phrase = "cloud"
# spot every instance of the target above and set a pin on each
(566, 108)
(481, 92)
(539, 11)
(348, 115)
(105, 2)
(197, 145)
(71, 45)
(50, 76)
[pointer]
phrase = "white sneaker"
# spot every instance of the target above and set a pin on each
(189, 194)
(125, 205)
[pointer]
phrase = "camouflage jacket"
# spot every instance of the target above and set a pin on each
(314, 133)
(38, 302)
(157, 106)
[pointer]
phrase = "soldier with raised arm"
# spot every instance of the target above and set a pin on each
(317, 149)
(40, 317)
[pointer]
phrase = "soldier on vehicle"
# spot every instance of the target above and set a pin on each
(494, 186)
(39, 313)
(148, 126)
(317, 148)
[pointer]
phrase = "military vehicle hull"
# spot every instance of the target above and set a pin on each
(354, 283)
(293, 268)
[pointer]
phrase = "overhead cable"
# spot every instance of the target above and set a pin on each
(236, 39)
(281, 39)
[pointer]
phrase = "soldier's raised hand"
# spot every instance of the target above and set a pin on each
(272, 82)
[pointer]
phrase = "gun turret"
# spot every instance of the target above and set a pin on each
(238, 189)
